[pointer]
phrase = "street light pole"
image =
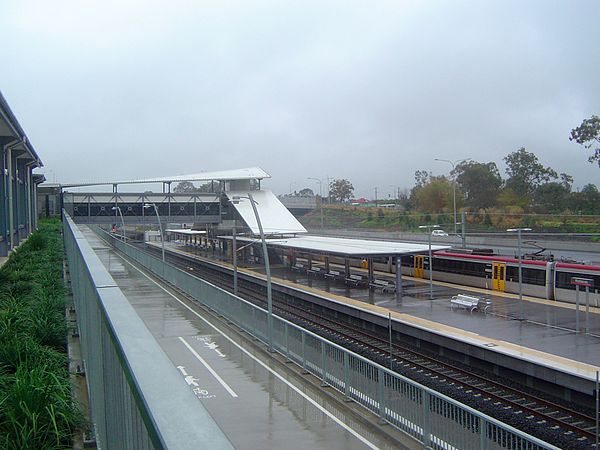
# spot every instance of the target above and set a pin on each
(453, 163)
(429, 228)
(162, 237)
(267, 269)
(521, 305)
(118, 209)
(235, 271)
(320, 195)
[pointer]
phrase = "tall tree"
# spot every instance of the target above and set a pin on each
(552, 197)
(184, 186)
(479, 183)
(341, 190)
(587, 201)
(588, 135)
(306, 192)
(435, 196)
(422, 178)
(526, 173)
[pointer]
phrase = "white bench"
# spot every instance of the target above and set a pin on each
(355, 280)
(385, 286)
(333, 274)
(316, 271)
(470, 302)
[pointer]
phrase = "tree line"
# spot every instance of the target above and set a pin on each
(529, 187)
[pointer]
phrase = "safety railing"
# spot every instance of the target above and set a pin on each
(432, 418)
(138, 399)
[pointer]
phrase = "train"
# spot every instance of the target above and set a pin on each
(549, 279)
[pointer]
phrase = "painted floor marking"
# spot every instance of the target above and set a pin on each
(210, 369)
(313, 402)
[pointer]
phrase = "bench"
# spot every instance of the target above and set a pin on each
(385, 286)
(355, 280)
(333, 274)
(316, 271)
(470, 302)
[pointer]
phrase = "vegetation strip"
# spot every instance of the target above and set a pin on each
(36, 406)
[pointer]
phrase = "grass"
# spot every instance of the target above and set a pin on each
(36, 407)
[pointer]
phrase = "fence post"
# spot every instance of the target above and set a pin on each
(381, 395)
(323, 365)
(287, 342)
(346, 377)
(425, 398)
(483, 441)
(303, 351)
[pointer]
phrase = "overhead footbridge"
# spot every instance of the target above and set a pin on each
(192, 206)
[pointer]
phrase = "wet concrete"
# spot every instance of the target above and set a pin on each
(255, 401)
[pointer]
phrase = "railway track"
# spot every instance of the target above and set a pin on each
(538, 416)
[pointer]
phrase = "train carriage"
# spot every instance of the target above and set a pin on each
(543, 279)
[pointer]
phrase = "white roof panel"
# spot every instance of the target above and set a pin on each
(274, 217)
(185, 231)
(352, 247)
(248, 173)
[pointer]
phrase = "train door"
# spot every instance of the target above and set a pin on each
(498, 276)
(419, 266)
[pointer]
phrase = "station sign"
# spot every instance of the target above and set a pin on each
(578, 281)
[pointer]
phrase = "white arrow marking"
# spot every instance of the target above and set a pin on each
(190, 380)
(222, 355)
(182, 370)
(210, 369)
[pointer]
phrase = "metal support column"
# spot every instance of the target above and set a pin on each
(399, 287)
(11, 224)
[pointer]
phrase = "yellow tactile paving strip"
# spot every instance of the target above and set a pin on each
(544, 359)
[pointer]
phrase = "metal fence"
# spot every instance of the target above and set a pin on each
(137, 401)
(435, 420)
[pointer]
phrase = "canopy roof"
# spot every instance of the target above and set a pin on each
(350, 247)
(185, 231)
(274, 216)
(248, 173)
(13, 135)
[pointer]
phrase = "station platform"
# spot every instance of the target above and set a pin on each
(259, 402)
(545, 342)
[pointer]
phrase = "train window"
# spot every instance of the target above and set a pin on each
(461, 267)
(534, 276)
(563, 280)
(512, 273)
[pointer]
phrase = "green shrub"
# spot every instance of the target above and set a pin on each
(36, 407)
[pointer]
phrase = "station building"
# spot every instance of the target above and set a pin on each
(18, 183)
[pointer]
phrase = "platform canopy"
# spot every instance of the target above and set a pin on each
(274, 216)
(351, 247)
(248, 173)
(185, 231)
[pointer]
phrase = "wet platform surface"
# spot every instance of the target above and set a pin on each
(548, 327)
(257, 403)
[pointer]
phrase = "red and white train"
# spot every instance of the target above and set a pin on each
(552, 280)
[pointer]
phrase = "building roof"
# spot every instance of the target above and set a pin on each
(350, 247)
(248, 173)
(11, 128)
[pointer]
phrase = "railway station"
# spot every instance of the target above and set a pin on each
(413, 297)
(219, 237)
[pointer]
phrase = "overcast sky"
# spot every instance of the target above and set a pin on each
(368, 91)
